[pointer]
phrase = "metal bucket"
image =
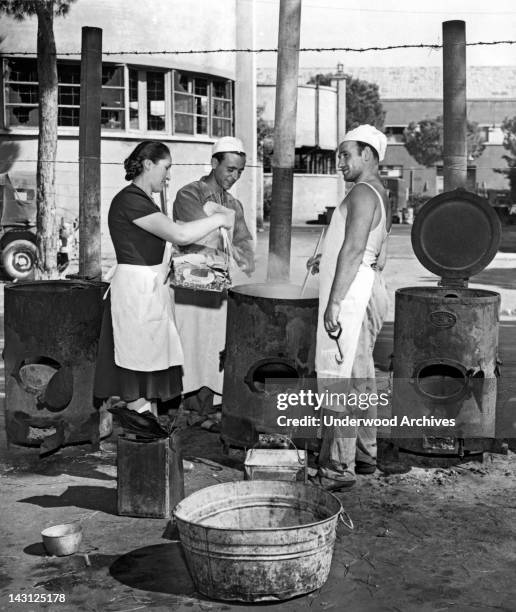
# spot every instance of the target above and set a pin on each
(258, 540)
(271, 333)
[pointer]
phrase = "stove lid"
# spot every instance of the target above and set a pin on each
(456, 234)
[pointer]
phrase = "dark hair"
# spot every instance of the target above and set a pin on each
(361, 145)
(220, 156)
(148, 149)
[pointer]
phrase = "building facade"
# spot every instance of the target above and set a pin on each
(185, 100)
(320, 124)
(407, 94)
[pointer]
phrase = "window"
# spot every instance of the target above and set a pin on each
(222, 120)
(147, 100)
(394, 133)
(22, 94)
(112, 113)
(155, 101)
(314, 161)
(191, 104)
(69, 94)
(132, 98)
(134, 105)
(391, 171)
(200, 104)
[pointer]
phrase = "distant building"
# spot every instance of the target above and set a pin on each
(185, 100)
(316, 182)
(407, 94)
(411, 94)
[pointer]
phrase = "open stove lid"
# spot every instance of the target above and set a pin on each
(456, 234)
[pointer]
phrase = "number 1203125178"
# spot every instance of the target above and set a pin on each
(37, 598)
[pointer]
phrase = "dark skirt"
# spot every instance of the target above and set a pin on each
(130, 385)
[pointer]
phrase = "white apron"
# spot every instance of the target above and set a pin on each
(353, 307)
(201, 323)
(144, 332)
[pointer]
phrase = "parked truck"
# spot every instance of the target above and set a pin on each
(18, 210)
(505, 208)
(17, 229)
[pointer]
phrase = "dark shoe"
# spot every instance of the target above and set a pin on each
(211, 425)
(361, 467)
(335, 480)
(393, 467)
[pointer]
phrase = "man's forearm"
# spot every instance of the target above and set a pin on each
(346, 270)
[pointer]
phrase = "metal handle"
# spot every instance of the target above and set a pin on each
(335, 336)
(349, 525)
(291, 443)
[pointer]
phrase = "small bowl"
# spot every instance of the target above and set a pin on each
(62, 540)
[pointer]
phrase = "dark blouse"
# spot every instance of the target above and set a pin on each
(134, 245)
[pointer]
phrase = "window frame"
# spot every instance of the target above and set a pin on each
(6, 104)
(124, 87)
(169, 75)
(211, 79)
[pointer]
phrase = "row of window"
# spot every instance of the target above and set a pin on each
(167, 101)
(309, 161)
(490, 134)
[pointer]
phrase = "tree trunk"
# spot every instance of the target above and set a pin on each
(47, 143)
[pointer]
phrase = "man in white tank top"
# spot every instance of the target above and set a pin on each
(352, 305)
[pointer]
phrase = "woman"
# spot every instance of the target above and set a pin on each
(138, 328)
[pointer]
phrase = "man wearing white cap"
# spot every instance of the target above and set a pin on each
(201, 316)
(352, 305)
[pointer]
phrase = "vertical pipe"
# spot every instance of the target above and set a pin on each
(89, 154)
(317, 112)
(454, 105)
(284, 140)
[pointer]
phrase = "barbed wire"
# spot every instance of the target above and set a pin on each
(274, 49)
(121, 163)
(336, 173)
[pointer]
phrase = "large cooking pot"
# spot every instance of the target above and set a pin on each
(446, 337)
(271, 334)
(51, 336)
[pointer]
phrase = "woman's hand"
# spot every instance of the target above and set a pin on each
(313, 263)
(212, 207)
(331, 317)
(227, 217)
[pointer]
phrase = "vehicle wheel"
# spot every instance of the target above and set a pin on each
(19, 259)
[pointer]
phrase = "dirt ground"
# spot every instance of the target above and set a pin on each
(432, 539)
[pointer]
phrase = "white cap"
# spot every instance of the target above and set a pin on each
(228, 144)
(371, 136)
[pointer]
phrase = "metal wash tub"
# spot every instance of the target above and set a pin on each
(258, 540)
